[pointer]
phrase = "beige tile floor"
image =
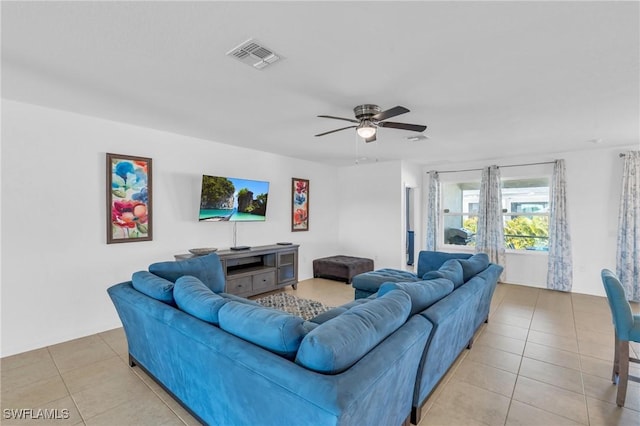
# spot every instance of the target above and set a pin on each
(544, 358)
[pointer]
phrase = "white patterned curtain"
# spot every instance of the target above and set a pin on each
(433, 210)
(490, 235)
(628, 247)
(560, 267)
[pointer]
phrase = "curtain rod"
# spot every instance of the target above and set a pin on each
(508, 165)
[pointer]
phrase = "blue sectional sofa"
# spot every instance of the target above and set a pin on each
(232, 362)
(372, 361)
(455, 314)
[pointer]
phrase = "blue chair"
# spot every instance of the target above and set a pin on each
(627, 329)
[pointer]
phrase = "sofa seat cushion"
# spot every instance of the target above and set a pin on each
(196, 299)
(207, 269)
(433, 260)
(336, 345)
(153, 286)
(423, 293)
(474, 265)
(371, 281)
(451, 270)
(276, 331)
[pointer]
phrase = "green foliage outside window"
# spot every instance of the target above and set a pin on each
(471, 224)
(534, 226)
(520, 232)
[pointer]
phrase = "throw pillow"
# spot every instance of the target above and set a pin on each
(432, 260)
(153, 286)
(451, 270)
(337, 344)
(423, 293)
(276, 331)
(207, 269)
(433, 275)
(474, 265)
(196, 299)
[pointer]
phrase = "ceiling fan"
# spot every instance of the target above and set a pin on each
(370, 117)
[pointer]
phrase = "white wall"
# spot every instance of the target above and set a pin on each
(372, 213)
(593, 195)
(56, 265)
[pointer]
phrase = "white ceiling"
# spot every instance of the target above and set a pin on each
(489, 79)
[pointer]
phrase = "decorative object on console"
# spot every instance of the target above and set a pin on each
(231, 199)
(304, 308)
(128, 199)
(299, 204)
(202, 251)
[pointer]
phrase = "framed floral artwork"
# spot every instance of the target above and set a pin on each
(299, 204)
(128, 199)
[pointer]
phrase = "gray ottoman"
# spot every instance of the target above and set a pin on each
(342, 268)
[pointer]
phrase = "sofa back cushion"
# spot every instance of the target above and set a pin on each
(207, 269)
(276, 331)
(334, 312)
(451, 270)
(337, 344)
(474, 265)
(423, 293)
(196, 299)
(433, 260)
(153, 286)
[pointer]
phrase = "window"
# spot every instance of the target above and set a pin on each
(525, 208)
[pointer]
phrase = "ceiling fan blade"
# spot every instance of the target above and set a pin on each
(403, 126)
(371, 139)
(339, 118)
(336, 130)
(390, 113)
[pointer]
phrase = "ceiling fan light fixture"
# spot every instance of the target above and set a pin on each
(366, 129)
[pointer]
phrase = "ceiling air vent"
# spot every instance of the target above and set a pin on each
(251, 52)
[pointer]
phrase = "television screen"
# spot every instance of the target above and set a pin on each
(232, 199)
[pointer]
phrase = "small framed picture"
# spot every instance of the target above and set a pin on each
(299, 204)
(129, 211)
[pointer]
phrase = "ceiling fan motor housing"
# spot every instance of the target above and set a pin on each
(366, 111)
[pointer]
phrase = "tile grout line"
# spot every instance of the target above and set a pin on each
(135, 371)
(66, 387)
(521, 358)
(444, 383)
(584, 390)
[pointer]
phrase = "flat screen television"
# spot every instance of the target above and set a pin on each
(233, 200)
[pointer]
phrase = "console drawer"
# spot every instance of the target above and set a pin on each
(264, 281)
(240, 285)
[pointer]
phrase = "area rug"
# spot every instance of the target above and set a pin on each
(305, 308)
